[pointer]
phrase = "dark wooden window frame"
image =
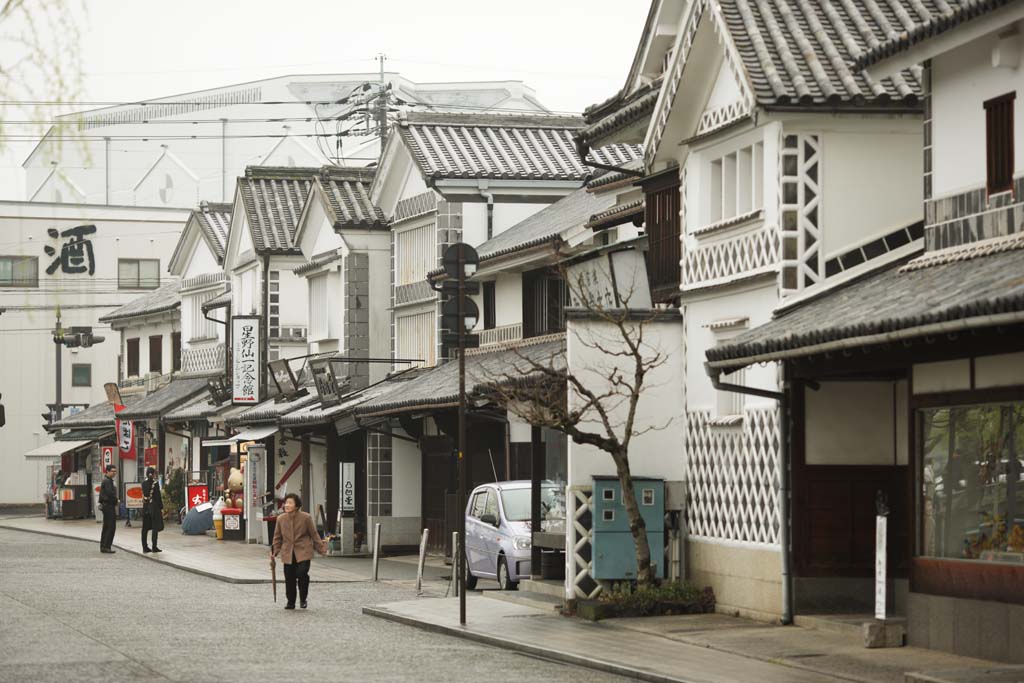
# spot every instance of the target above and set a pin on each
(156, 360)
(489, 294)
(999, 158)
(131, 353)
(78, 366)
(176, 351)
(663, 223)
(545, 288)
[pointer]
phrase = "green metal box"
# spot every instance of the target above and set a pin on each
(614, 551)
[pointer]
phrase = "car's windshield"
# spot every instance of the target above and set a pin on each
(517, 503)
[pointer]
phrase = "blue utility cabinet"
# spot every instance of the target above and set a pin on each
(614, 551)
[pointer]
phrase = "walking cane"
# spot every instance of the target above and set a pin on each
(273, 577)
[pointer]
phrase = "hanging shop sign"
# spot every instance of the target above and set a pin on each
(151, 457)
(245, 353)
(329, 384)
(197, 495)
(108, 456)
(348, 487)
(125, 436)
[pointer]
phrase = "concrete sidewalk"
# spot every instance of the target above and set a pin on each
(230, 561)
(708, 648)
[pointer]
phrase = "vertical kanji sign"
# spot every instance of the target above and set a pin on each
(348, 487)
(125, 436)
(245, 346)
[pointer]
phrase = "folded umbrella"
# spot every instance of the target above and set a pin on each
(273, 577)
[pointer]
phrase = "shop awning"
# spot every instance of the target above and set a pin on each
(255, 433)
(57, 449)
(218, 442)
(165, 399)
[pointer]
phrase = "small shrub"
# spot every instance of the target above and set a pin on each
(668, 597)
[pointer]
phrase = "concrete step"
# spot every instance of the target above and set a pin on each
(555, 589)
(525, 598)
(850, 626)
(995, 674)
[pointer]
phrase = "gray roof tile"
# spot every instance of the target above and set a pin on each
(439, 386)
(273, 199)
(98, 415)
(169, 396)
(923, 19)
(215, 221)
(930, 290)
(347, 191)
(164, 298)
(508, 147)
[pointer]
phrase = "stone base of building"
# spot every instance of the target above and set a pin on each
(971, 628)
(746, 580)
(397, 533)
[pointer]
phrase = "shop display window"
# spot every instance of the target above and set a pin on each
(972, 493)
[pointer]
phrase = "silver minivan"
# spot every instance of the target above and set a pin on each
(498, 535)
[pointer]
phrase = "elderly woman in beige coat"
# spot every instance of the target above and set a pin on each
(295, 538)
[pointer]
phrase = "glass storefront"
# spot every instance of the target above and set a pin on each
(972, 493)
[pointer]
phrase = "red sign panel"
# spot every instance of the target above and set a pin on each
(151, 457)
(197, 495)
(108, 456)
(125, 436)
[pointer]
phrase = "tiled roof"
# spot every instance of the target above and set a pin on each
(571, 211)
(619, 111)
(87, 434)
(99, 415)
(894, 301)
(317, 261)
(164, 298)
(220, 301)
(923, 19)
(273, 199)
(439, 386)
(617, 215)
(507, 147)
(215, 221)
(348, 196)
(199, 407)
(158, 402)
(271, 411)
(802, 51)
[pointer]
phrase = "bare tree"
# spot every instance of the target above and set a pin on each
(596, 402)
(40, 64)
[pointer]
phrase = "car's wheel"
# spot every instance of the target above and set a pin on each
(470, 579)
(504, 578)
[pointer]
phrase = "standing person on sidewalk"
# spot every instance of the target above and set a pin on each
(108, 504)
(152, 510)
(295, 537)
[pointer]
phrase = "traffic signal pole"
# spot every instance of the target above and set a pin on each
(462, 439)
(58, 342)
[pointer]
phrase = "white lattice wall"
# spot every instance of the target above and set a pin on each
(739, 256)
(733, 478)
(579, 581)
(801, 212)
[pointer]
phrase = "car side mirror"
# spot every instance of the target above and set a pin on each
(489, 519)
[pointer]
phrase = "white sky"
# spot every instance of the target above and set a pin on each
(572, 52)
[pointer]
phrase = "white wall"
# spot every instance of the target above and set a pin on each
(962, 80)
(406, 479)
(856, 423)
(25, 328)
(657, 453)
(506, 215)
(755, 303)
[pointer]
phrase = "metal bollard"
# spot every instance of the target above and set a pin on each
(376, 550)
(455, 564)
(423, 559)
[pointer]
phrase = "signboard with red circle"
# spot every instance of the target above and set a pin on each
(108, 456)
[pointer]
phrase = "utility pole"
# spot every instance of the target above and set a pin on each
(58, 342)
(382, 106)
(76, 337)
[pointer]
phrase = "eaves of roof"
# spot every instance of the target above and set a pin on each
(163, 299)
(936, 23)
(627, 111)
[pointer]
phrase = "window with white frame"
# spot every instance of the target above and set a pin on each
(202, 328)
(415, 337)
(319, 310)
(415, 253)
(729, 403)
(735, 185)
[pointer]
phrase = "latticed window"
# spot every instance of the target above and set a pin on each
(415, 337)
(319, 314)
(19, 271)
(416, 253)
(736, 184)
(663, 221)
(545, 297)
(999, 142)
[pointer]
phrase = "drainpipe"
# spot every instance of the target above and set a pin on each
(485, 193)
(583, 149)
(784, 461)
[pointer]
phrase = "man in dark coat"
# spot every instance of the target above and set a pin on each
(152, 510)
(108, 504)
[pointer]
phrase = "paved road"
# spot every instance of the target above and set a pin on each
(68, 613)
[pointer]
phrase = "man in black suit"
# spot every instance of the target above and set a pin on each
(108, 503)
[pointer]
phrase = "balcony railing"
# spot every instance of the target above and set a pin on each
(499, 335)
(202, 358)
